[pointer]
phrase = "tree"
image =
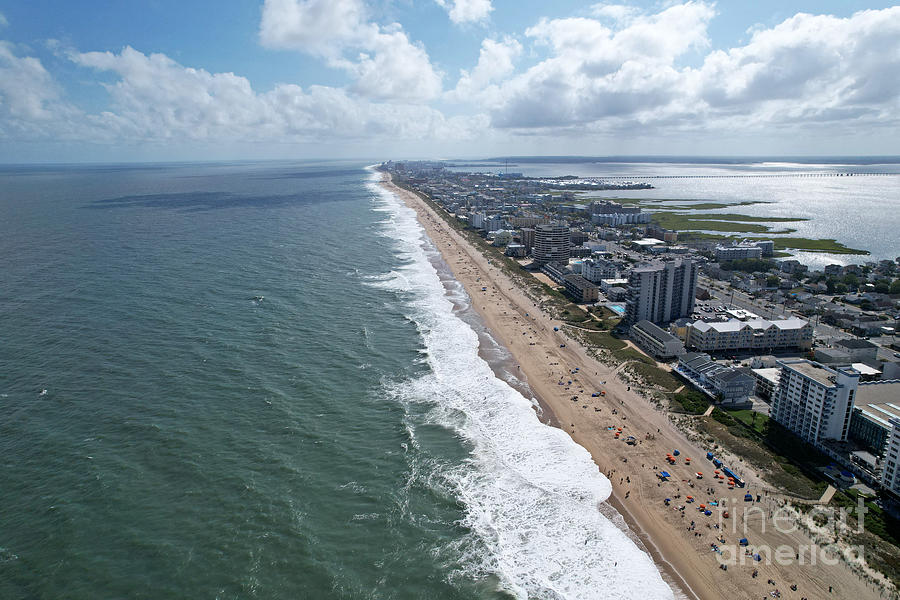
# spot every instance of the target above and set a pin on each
(895, 287)
(840, 288)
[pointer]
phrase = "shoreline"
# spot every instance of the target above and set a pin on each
(684, 559)
(547, 416)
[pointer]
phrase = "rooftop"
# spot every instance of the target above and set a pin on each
(815, 371)
(865, 369)
(654, 331)
(855, 344)
(756, 324)
(879, 400)
(770, 374)
(648, 242)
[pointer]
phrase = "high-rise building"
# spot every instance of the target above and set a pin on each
(527, 236)
(890, 476)
(661, 292)
(551, 244)
(814, 401)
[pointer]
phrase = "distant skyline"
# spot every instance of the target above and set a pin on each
(203, 80)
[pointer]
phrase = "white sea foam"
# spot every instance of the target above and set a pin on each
(531, 495)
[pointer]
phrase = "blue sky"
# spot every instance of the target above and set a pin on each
(160, 80)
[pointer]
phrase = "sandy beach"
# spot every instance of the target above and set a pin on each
(683, 552)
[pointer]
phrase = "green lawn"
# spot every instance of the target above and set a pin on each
(753, 420)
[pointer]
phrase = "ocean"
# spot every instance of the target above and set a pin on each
(259, 380)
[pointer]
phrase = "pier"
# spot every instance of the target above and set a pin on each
(745, 176)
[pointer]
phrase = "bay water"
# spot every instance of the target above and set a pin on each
(854, 200)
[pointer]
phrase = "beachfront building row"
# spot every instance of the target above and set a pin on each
(728, 385)
(661, 292)
(813, 401)
(823, 404)
(754, 334)
(576, 286)
(655, 341)
(580, 289)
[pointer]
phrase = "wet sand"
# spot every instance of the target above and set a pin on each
(684, 556)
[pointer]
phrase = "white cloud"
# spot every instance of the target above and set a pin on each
(823, 62)
(314, 26)
(32, 105)
(623, 72)
(625, 75)
(595, 71)
(3, 21)
(616, 12)
(467, 11)
(394, 69)
(386, 64)
(496, 61)
(157, 99)
(26, 89)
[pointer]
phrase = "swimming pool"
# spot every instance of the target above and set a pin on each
(617, 308)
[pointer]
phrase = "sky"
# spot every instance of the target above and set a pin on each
(160, 80)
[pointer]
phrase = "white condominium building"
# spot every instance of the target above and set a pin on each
(890, 476)
(755, 334)
(814, 401)
(660, 292)
(552, 243)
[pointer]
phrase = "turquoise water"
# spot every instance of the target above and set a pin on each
(259, 381)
